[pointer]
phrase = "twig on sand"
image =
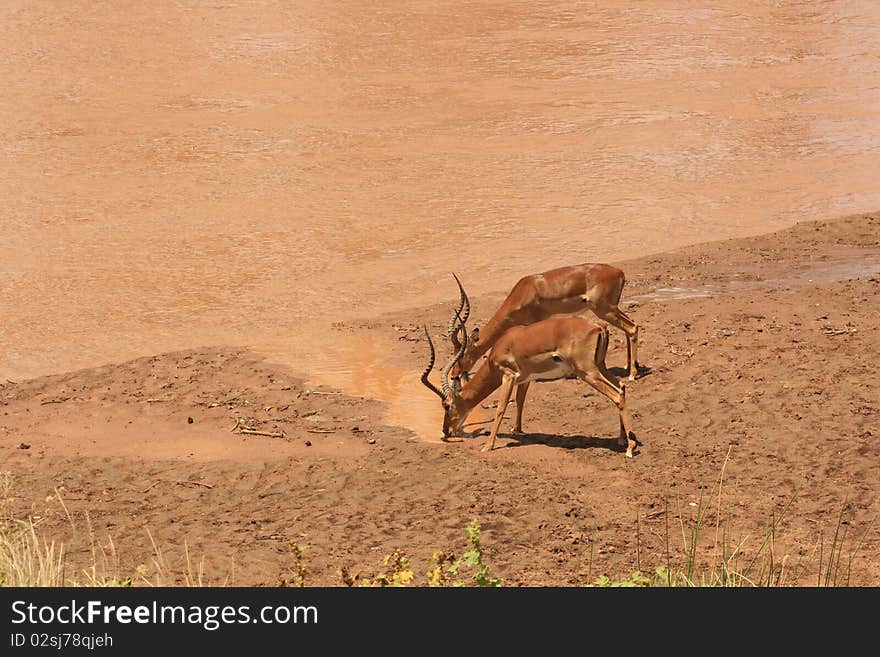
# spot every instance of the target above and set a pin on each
(181, 482)
(184, 482)
(255, 432)
(834, 331)
(321, 392)
(215, 404)
(59, 400)
(156, 400)
(321, 430)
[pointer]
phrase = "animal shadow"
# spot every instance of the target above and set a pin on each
(621, 373)
(565, 442)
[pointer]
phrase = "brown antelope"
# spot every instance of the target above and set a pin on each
(555, 348)
(565, 291)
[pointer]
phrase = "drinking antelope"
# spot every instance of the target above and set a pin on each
(564, 291)
(554, 348)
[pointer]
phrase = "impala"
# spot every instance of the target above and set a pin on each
(565, 291)
(555, 348)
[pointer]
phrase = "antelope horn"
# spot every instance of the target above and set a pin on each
(466, 303)
(455, 358)
(430, 386)
(452, 329)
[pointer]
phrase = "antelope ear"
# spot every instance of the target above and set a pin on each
(475, 335)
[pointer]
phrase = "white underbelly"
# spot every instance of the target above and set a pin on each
(558, 371)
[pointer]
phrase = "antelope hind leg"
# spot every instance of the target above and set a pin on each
(620, 320)
(617, 394)
(626, 426)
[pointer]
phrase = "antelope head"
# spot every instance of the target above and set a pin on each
(455, 411)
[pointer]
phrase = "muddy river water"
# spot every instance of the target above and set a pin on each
(189, 173)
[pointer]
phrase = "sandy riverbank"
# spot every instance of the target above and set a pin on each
(773, 373)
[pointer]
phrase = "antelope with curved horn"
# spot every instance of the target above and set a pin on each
(565, 291)
(554, 348)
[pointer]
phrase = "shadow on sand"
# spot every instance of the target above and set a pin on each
(565, 442)
(621, 373)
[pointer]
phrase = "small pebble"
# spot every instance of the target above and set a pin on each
(189, 420)
(308, 443)
(24, 446)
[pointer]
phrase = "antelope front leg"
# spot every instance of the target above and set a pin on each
(506, 390)
(521, 391)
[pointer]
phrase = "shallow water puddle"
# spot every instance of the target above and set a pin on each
(827, 273)
(356, 365)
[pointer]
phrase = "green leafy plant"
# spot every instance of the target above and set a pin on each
(472, 560)
(445, 570)
(635, 580)
(297, 571)
(399, 574)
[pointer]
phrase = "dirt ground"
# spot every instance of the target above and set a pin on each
(769, 377)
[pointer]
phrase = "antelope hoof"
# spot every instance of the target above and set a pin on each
(486, 448)
(635, 372)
